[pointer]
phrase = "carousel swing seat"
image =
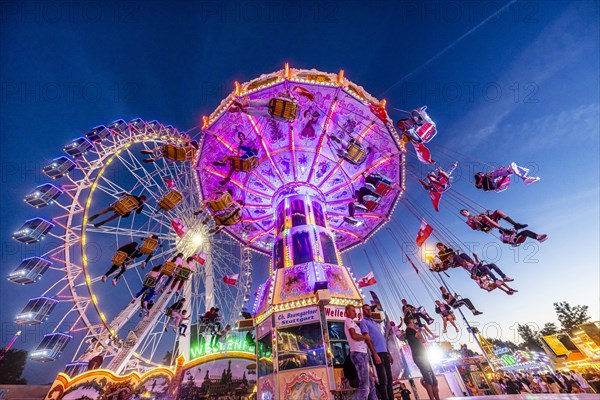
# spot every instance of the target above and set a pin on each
(168, 268)
(125, 205)
(183, 274)
(171, 199)
(150, 282)
(244, 164)
(354, 153)
(420, 128)
(119, 258)
(222, 203)
(502, 183)
(176, 153)
(371, 205)
(382, 188)
(283, 110)
(148, 246)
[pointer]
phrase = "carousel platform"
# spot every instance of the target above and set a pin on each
(550, 396)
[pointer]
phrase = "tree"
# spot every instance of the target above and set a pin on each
(549, 328)
(12, 366)
(570, 316)
(529, 337)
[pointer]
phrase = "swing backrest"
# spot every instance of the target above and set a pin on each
(173, 153)
(371, 205)
(119, 258)
(502, 183)
(222, 203)
(355, 153)
(283, 110)
(170, 200)
(382, 189)
(168, 268)
(426, 132)
(148, 246)
(243, 164)
(183, 274)
(510, 237)
(124, 205)
(149, 281)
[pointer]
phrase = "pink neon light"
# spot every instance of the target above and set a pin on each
(353, 179)
(262, 142)
(292, 143)
(236, 183)
(260, 219)
(323, 135)
(362, 135)
(257, 206)
(347, 232)
(253, 238)
(231, 147)
(368, 216)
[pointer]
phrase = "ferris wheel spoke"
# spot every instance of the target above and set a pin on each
(146, 179)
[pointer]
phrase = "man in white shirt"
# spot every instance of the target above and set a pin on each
(359, 344)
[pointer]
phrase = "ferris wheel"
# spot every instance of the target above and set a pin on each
(127, 185)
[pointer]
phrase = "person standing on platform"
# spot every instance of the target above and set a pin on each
(384, 369)
(415, 342)
(359, 343)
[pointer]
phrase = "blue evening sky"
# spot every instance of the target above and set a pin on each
(523, 86)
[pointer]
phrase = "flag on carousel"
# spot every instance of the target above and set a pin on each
(424, 233)
(423, 153)
(230, 279)
(169, 182)
(375, 300)
(412, 263)
(178, 227)
(435, 197)
(368, 280)
(200, 258)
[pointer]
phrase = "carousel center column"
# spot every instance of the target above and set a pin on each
(300, 310)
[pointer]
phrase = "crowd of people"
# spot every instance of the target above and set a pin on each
(369, 347)
(540, 382)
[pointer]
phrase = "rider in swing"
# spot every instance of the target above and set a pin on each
(488, 220)
(439, 179)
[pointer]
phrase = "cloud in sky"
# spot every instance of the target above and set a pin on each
(554, 50)
(576, 124)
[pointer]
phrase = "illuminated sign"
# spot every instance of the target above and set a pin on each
(502, 350)
(298, 316)
(509, 359)
(203, 347)
(339, 313)
(557, 347)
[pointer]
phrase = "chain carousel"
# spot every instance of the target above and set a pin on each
(298, 166)
(301, 165)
